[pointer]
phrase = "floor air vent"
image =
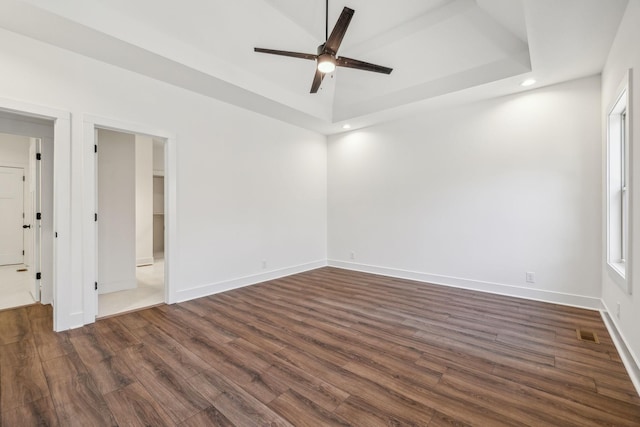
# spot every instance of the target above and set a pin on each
(587, 336)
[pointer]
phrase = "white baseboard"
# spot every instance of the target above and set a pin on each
(72, 321)
(227, 285)
(590, 303)
(115, 286)
(144, 261)
(629, 359)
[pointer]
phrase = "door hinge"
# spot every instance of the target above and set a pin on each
(22, 252)
(38, 156)
(95, 286)
(38, 276)
(23, 178)
(38, 215)
(95, 217)
(56, 234)
(95, 148)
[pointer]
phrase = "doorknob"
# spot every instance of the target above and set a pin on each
(26, 226)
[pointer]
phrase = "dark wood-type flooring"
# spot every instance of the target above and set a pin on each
(326, 347)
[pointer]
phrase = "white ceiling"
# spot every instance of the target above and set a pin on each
(443, 51)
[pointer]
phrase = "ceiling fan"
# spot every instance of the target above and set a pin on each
(326, 57)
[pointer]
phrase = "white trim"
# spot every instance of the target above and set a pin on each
(620, 272)
(90, 122)
(62, 295)
(590, 303)
(629, 359)
(76, 320)
(13, 165)
(227, 285)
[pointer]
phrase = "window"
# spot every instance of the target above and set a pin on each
(618, 191)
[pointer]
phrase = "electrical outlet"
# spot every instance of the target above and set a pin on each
(618, 310)
(264, 264)
(352, 255)
(530, 277)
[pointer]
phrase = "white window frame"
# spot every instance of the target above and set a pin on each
(619, 179)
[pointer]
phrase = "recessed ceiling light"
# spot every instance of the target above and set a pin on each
(346, 126)
(528, 82)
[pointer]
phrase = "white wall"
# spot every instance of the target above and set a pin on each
(250, 188)
(116, 211)
(14, 150)
(144, 199)
(625, 54)
(476, 196)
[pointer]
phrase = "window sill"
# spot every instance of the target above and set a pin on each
(619, 268)
(618, 272)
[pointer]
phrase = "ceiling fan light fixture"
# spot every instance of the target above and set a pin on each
(326, 63)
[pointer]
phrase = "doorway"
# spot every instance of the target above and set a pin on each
(22, 247)
(130, 221)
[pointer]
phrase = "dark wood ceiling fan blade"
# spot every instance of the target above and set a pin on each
(317, 79)
(335, 39)
(286, 53)
(361, 65)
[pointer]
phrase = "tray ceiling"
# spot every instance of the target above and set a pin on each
(442, 51)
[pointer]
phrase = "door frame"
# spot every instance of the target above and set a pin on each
(90, 235)
(35, 205)
(63, 317)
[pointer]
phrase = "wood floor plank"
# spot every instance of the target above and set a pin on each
(91, 347)
(319, 391)
(179, 399)
(183, 361)
(115, 335)
(35, 413)
(364, 412)
(209, 417)
(441, 420)
(234, 402)
(110, 374)
(388, 399)
(14, 325)
(517, 402)
(17, 353)
(244, 371)
(304, 412)
(21, 385)
(75, 396)
(134, 406)
(324, 347)
(49, 343)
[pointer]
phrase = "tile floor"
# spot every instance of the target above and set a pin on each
(14, 287)
(150, 291)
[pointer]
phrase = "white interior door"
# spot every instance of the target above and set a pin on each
(11, 212)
